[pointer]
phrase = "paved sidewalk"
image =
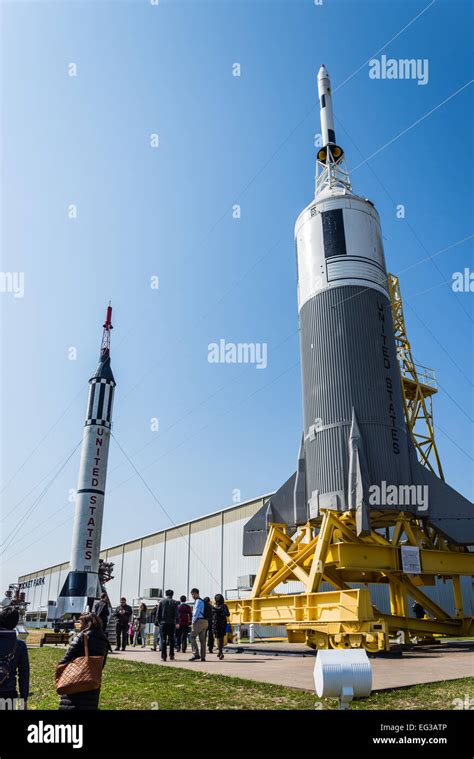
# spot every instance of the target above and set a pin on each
(423, 666)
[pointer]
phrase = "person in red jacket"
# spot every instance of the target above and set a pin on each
(185, 616)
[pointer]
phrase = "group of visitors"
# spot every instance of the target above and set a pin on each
(205, 624)
(129, 628)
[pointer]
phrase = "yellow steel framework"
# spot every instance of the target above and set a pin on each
(328, 549)
(418, 387)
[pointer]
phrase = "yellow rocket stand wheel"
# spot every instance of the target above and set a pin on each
(371, 646)
(339, 641)
(316, 640)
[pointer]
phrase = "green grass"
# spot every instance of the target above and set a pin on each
(135, 685)
(432, 696)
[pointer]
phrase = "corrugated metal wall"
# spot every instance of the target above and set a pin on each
(206, 553)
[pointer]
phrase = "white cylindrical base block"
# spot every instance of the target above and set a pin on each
(337, 673)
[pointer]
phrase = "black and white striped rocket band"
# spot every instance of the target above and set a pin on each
(101, 395)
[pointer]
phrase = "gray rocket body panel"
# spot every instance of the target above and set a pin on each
(349, 364)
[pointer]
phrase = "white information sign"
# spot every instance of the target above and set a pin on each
(411, 563)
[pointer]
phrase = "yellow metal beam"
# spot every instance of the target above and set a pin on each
(324, 537)
(265, 561)
(385, 558)
(330, 606)
(458, 601)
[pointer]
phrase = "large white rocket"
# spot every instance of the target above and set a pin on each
(355, 435)
(82, 586)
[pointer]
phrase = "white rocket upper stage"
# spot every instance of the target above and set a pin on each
(325, 103)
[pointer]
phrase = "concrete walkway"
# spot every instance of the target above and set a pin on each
(423, 666)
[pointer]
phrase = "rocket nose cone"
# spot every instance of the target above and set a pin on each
(323, 72)
(104, 370)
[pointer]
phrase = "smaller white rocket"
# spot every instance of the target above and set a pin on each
(328, 133)
(82, 586)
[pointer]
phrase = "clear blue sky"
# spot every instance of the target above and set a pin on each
(84, 140)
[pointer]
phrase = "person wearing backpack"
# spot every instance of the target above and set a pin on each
(168, 618)
(185, 616)
(102, 609)
(220, 615)
(199, 628)
(13, 659)
(208, 616)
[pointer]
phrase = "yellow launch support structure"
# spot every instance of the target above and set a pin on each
(418, 387)
(329, 550)
(345, 617)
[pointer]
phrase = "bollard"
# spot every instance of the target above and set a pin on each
(343, 675)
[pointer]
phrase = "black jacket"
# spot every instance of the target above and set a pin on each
(101, 608)
(168, 612)
(220, 615)
(123, 619)
(19, 664)
(98, 646)
(208, 612)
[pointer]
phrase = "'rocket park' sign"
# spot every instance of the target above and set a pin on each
(32, 583)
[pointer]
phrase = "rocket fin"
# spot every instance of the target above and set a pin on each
(300, 500)
(358, 485)
(279, 508)
(288, 506)
(448, 511)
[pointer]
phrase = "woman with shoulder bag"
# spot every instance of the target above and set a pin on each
(79, 673)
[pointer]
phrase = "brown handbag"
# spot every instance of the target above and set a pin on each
(81, 674)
